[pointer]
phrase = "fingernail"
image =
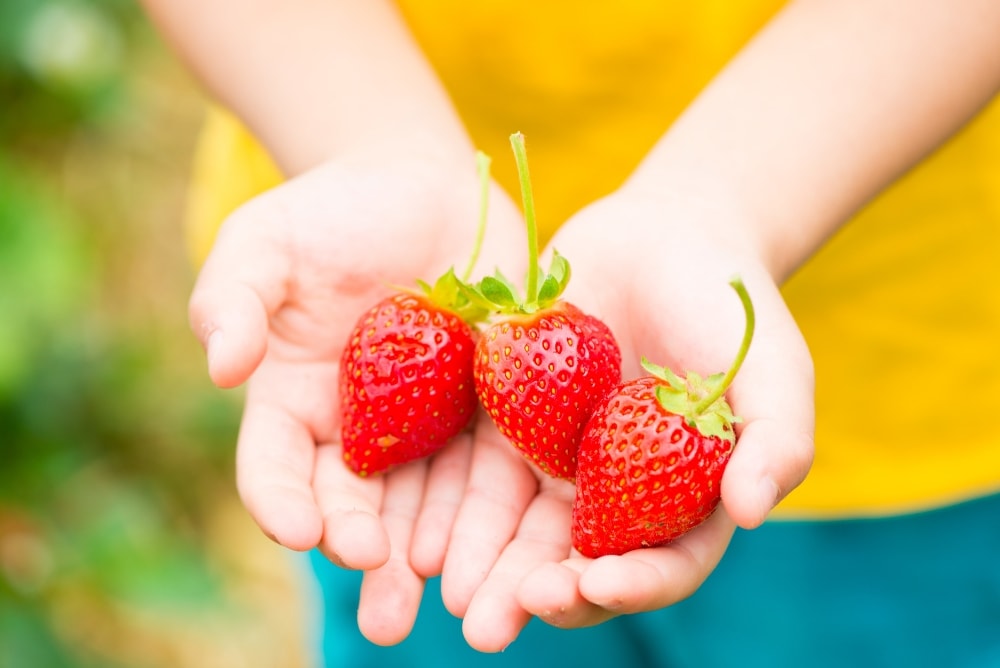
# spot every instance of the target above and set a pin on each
(613, 605)
(212, 347)
(767, 494)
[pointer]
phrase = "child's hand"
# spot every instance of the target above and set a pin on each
(288, 277)
(657, 272)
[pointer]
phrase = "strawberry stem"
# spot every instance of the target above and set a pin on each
(542, 289)
(521, 158)
(483, 170)
(718, 391)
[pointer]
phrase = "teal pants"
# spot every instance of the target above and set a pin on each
(914, 590)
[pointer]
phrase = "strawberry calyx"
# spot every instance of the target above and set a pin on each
(542, 289)
(452, 293)
(701, 401)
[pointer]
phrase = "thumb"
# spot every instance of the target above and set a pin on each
(243, 282)
(770, 460)
(774, 393)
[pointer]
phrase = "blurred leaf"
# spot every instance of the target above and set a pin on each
(113, 442)
(27, 640)
(71, 45)
(124, 541)
(46, 273)
(61, 64)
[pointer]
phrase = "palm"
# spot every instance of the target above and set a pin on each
(662, 288)
(288, 277)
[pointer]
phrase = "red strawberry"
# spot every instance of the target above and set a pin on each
(541, 369)
(406, 384)
(539, 376)
(652, 457)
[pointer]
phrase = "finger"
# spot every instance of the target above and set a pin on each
(242, 283)
(551, 592)
(770, 460)
(494, 616)
(353, 534)
(390, 594)
(654, 578)
(446, 481)
(274, 467)
(501, 485)
(774, 394)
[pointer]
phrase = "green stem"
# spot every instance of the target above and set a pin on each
(521, 158)
(483, 170)
(741, 290)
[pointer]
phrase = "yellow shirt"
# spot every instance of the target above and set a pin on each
(901, 309)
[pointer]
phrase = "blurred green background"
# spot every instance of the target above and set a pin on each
(122, 542)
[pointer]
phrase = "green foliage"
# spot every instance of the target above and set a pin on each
(43, 270)
(112, 441)
(61, 64)
(101, 450)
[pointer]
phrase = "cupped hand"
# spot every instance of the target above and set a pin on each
(657, 270)
(289, 274)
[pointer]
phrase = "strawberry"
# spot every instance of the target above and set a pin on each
(652, 457)
(405, 384)
(542, 366)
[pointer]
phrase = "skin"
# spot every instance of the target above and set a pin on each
(825, 108)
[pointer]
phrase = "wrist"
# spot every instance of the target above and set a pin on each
(428, 128)
(313, 80)
(707, 208)
(725, 213)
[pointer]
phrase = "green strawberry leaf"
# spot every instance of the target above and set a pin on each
(675, 400)
(549, 291)
(714, 424)
(695, 386)
(554, 283)
(715, 379)
(560, 268)
(445, 290)
(451, 293)
(498, 292)
(717, 420)
(664, 374)
(498, 275)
